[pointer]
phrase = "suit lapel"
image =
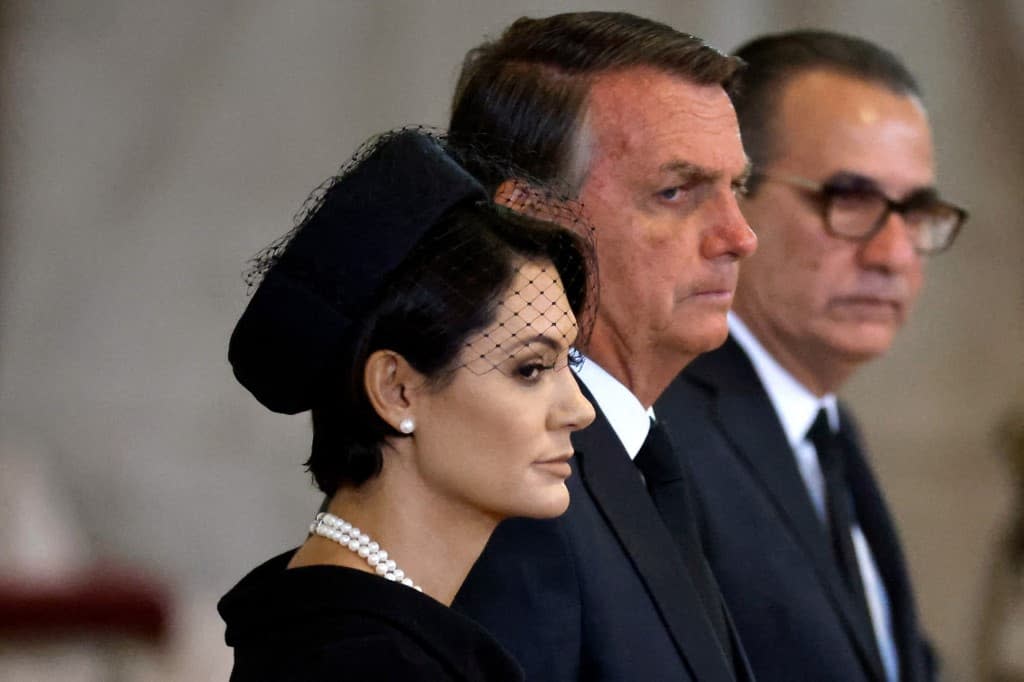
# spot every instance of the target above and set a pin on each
(746, 418)
(617, 490)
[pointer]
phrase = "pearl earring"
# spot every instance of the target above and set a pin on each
(407, 426)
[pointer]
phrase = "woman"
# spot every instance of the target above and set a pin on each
(430, 332)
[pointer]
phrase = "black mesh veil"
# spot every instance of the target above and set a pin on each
(407, 213)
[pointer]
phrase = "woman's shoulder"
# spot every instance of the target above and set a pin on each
(326, 619)
(381, 655)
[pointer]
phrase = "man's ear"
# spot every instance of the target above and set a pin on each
(537, 202)
(391, 385)
(513, 194)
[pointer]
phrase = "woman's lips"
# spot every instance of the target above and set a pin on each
(556, 466)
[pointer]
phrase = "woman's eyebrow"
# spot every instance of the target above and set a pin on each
(543, 339)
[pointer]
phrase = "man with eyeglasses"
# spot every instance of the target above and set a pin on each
(843, 200)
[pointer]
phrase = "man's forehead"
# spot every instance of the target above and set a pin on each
(662, 118)
(840, 96)
(830, 123)
(620, 102)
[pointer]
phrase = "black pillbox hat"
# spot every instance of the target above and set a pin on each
(296, 334)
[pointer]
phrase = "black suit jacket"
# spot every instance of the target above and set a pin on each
(766, 545)
(600, 593)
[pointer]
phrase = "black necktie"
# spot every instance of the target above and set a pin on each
(665, 478)
(839, 506)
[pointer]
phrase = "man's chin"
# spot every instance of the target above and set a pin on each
(865, 342)
(710, 338)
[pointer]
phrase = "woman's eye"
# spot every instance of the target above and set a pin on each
(532, 371)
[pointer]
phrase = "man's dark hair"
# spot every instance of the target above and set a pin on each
(772, 60)
(523, 95)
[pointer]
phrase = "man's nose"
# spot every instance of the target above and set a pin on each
(730, 234)
(892, 247)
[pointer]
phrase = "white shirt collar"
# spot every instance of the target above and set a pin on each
(629, 419)
(796, 406)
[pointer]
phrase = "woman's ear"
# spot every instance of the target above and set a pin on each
(391, 385)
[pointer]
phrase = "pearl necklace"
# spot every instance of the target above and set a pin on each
(345, 534)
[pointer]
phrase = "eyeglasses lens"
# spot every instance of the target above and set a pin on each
(857, 215)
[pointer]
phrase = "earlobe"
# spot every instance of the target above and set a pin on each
(389, 381)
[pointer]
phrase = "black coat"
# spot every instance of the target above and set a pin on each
(333, 623)
(600, 593)
(766, 545)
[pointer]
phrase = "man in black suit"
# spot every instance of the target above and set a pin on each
(842, 197)
(634, 116)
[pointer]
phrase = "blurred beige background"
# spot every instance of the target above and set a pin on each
(148, 148)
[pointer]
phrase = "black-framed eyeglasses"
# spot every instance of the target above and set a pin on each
(857, 210)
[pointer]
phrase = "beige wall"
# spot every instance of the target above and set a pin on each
(149, 147)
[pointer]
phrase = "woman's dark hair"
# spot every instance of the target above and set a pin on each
(447, 289)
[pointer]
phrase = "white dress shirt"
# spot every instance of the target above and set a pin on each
(797, 409)
(629, 419)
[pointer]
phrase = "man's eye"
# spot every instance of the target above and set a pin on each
(670, 194)
(855, 197)
(689, 189)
